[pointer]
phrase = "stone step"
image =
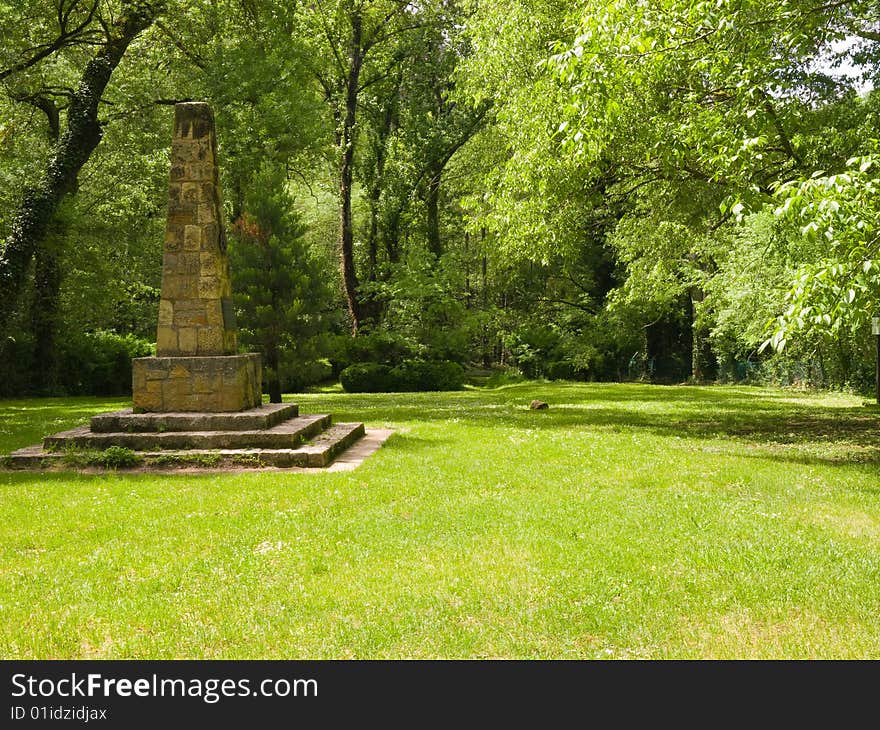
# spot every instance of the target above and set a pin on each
(319, 452)
(286, 435)
(31, 457)
(326, 446)
(253, 419)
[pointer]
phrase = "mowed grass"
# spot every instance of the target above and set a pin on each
(626, 521)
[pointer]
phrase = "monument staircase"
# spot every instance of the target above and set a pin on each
(269, 435)
(198, 402)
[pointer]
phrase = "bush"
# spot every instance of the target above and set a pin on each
(375, 347)
(449, 375)
(565, 370)
(421, 375)
(366, 377)
(505, 376)
(409, 376)
(412, 375)
(99, 363)
(16, 357)
(304, 375)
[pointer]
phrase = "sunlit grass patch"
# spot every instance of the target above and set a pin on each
(626, 521)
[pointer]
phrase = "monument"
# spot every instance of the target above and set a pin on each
(196, 367)
(198, 402)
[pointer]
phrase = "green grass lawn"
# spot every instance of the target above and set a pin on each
(627, 521)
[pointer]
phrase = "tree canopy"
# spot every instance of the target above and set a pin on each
(605, 189)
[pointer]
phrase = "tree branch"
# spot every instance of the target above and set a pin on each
(80, 35)
(191, 56)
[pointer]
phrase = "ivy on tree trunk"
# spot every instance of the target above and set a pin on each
(80, 138)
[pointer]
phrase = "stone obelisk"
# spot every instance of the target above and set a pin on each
(196, 368)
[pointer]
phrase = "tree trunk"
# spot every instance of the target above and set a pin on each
(699, 339)
(81, 137)
(380, 149)
(432, 203)
(274, 387)
(44, 317)
(346, 170)
(273, 363)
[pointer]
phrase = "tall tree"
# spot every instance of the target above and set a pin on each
(357, 45)
(413, 125)
(647, 100)
(280, 289)
(82, 134)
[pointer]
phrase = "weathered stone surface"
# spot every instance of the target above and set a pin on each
(195, 268)
(253, 419)
(166, 313)
(187, 338)
(191, 384)
(166, 337)
(318, 453)
(286, 435)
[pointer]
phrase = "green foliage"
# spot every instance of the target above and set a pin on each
(535, 200)
(836, 291)
(16, 357)
(366, 377)
(570, 190)
(422, 375)
(99, 363)
(281, 292)
(425, 307)
(387, 348)
(564, 370)
(654, 126)
(503, 377)
(89, 363)
(408, 376)
(704, 84)
(113, 457)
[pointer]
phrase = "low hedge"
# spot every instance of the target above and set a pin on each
(366, 377)
(565, 370)
(99, 363)
(409, 376)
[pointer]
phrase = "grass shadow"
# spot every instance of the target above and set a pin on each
(788, 425)
(833, 432)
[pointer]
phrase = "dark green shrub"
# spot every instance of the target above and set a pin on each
(412, 375)
(99, 363)
(306, 374)
(503, 376)
(565, 370)
(409, 376)
(16, 357)
(375, 347)
(422, 375)
(281, 292)
(448, 375)
(366, 377)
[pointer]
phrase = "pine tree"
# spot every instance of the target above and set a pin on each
(280, 291)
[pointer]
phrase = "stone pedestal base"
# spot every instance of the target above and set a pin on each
(207, 384)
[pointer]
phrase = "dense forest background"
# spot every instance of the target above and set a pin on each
(666, 190)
